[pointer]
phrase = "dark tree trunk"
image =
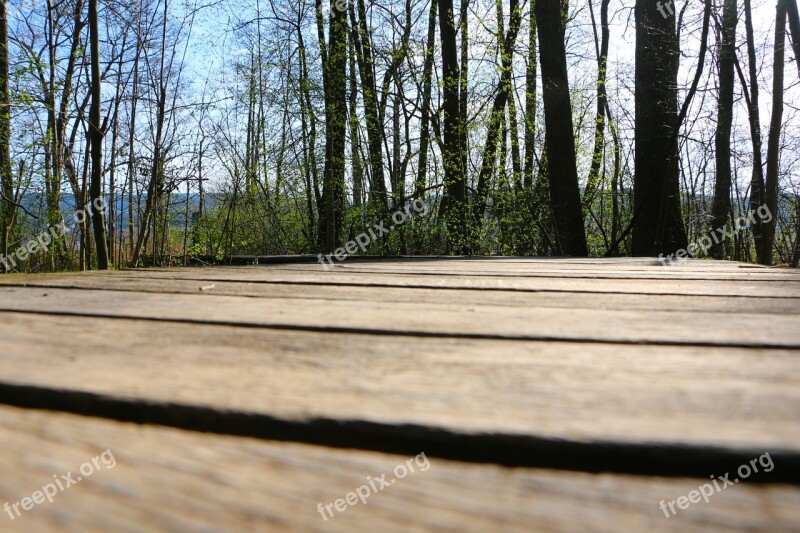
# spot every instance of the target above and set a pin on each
(721, 209)
(335, 129)
(516, 155)
(497, 113)
(757, 178)
(602, 103)
(773, 144)
(530, 102)
(565, 199)
(455, 186)
(355, 140)
(308, 122)
(463, 86)
(363, 47)
(6, 178)
(96, 141)
(398, 188)
(794, 29)
(659, 227)
(427, 75)
(155, 185)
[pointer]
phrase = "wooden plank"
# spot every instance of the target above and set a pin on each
(630, 276)
(546, 262)
(554, 283)
(422, 318)
(473, 268)
(169, 480)
(702, 397)
(466, 297)
(513, 298)
(502, 272)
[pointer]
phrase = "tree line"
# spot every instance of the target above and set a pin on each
(530, 127)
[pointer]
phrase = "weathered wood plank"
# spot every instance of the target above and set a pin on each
(422, 318)
(566, 299)
(671, 285)
(547, 262)
(484, 268)
(506, 360)
(626, 275)
(169, 480)
(713, 397)
(499, 271)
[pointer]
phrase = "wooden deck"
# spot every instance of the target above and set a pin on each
(546, 395)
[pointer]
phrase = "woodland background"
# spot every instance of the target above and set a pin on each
(260, 127)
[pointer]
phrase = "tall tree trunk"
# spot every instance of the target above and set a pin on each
(455, 185)
(366, 67)
(795, 258)
(497, 113)
(52, 162)
(335, 128)
(309, 128)
(59, 119)
(427, 75)
(516, 157)
(96, 141)
(530, 101)
(463, 87)
(131, 174)
(157, 170)
(774, 142)
(6, 177)
(721, 209)
(659, 227)
(757, 178)
(794, 29)
(251, 135)
(565, 199)
(600, 114)
(616, 218)
(355, 137)
(113, 164)
(397, 189)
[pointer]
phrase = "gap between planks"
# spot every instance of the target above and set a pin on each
(170, 480)
(420, 319)
(650, 396)
(512, 450)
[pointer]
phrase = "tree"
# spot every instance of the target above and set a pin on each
(530, 101)
(335, 130)
(757, 176)
(96, 142)
(497, 113)
(794, 29)
(6, 178)
(363, 46)
(659, 225)
(300, 102)
(774, 141)
(427, 75)
(565, 199)
(721, 208)
(602, 102)
(455, 185)
(355, 135)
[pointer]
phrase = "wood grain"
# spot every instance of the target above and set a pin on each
(733, 398)
(609, 384)
(753, 287)
(170, 480)
(465, 297)
(422, 318)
